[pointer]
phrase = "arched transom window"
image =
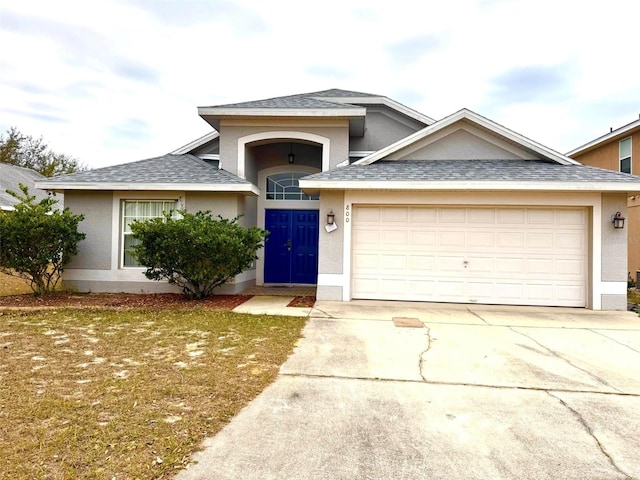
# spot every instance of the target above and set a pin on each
(284, 186)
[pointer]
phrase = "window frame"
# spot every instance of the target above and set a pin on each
(626, 157)
(123, 223)
(285, 194)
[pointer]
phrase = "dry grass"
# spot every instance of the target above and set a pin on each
(633, 296)
(115, 394)
(10, 285)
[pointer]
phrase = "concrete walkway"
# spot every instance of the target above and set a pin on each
(272, 305)
(394, 390)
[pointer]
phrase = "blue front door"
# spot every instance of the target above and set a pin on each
(291, 249)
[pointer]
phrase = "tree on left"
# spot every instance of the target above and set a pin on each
(29, 152)
(37, 240)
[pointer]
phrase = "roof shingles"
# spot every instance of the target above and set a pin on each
(178, 169)
(471, 171)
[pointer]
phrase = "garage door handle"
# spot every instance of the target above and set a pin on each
(465, 263)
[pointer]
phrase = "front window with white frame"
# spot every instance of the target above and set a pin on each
(625, 155)
(141, 210)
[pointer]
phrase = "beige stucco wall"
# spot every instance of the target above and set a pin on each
(219, 203)
(614, 250)
(337, 131)
(461, 145)
(331, 245)
(97, 267)
(462, 141)
(383, 127)
(94, 252)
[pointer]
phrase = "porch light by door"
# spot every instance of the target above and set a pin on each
(292, 157)
(331, 218)
(618, 220)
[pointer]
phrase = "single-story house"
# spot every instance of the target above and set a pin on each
(369, 199)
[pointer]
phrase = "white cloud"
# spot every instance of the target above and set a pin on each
(110, 82)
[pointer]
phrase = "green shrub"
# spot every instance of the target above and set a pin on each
(36, 240)
(196, 252)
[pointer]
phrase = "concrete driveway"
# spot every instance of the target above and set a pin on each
(464, 392)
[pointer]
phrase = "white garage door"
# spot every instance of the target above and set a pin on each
(516, 256)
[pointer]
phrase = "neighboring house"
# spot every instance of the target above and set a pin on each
(11, 177)
(456, 210)
(615, 151)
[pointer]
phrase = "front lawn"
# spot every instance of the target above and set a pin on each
(127, 393)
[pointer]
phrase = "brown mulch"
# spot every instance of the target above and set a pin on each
(301, 301)
(121, 300)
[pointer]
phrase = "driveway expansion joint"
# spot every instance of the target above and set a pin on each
(557, 355)
(454, 384)
(589, 430)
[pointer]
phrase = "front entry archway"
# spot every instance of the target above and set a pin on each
(291, 249)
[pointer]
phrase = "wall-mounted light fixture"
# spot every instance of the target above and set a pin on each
(618, 220)
(331, 218)
(292, 157)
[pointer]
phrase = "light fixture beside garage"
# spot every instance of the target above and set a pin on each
(618, 220)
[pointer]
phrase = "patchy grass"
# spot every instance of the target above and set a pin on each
(115, 394)
(10, 285)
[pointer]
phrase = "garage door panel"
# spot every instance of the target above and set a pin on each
(422, 263)
(394, 237)
(509, 266)
(395, 214)
(419, 215)
(451, 239)
(422, 239)
(510, 217)
(510, 240)
(453, 215)
(364, 261)
(393, 264)
(482, 239)
(571, 218)
(570, 241)
(367, 236)
(366, 214)
(570, 267)
(540, 240)
(452, 289)
(540, 216)
(503, 255)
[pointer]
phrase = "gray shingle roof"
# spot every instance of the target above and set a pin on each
(303, 100)
(11, 177)
(473, 171)
(165, 169)
(336, 92)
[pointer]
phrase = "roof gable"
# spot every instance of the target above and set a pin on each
(617, 134)
(461, 119)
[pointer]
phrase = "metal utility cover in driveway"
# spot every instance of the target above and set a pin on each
(480, 392)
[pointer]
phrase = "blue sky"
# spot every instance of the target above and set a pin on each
(111, 81)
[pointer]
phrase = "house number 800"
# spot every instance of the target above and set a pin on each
(346, 214)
